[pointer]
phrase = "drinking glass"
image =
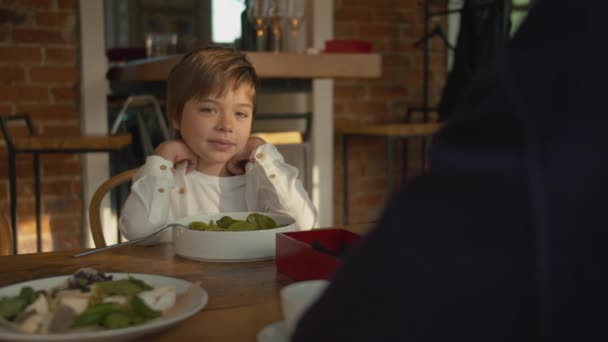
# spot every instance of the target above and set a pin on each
(275, 11)
(256, 10)
(160, 44)
(295, 14)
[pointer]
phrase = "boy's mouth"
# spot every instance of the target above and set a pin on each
(221, 144)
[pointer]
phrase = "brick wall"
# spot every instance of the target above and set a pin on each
(39, 75)
(393, 26)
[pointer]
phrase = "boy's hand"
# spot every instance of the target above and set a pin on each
(177, 151)
(236, 165)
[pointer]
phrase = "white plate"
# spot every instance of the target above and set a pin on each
(275, 332)
(200, 300)
(224, 246)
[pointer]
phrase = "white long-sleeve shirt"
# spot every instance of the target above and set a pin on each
(160, 195)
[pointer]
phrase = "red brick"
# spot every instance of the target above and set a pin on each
(351, 14)
(54, 74)
(368, 108)
(45, 4)
(398, 60)
(62, 205)
(389, 91)
(20, 54)
(372, 182)
(344, 30)
(367, 200)
(57, 20)
(10, 74)
(349, 92)
(61, 55)
(362, 3)
(61, 168)
(42, 36)
(63, 93)
(65, 226)
(24, 93)
(388, 15)
(378, 30)
(50, 111)
(6, 109)
(58, 187)
(67, 4)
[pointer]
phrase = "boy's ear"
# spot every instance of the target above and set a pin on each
(175, 124)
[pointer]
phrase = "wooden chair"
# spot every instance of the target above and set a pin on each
(6, 237)
(95, 204)
(35, 144)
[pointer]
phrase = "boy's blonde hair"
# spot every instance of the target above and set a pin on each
(207, 71)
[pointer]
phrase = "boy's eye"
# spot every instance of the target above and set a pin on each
(207, 109)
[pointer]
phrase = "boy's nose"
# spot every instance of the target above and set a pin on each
(224, 123)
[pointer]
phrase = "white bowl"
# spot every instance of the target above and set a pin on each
(234, 246)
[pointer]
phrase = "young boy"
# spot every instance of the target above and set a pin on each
(213, 165)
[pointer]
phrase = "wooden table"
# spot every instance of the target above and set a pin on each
(243, 297)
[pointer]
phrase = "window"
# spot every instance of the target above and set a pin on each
(226, 20)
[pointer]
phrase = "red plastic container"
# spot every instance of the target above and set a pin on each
(298, 259)
(348, 46)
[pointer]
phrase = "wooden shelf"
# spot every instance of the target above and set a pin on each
(69, 144)
(268, 65)
(393, 130)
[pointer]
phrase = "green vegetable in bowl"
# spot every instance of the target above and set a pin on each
(241, 226)
(262, 221)
(225, 222)
(254, 221)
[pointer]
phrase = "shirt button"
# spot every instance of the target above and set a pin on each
(163, 167)
(272, 176)
(161, 189)
(182, 191)
(259, 155)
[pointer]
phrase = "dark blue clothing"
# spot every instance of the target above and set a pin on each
(504, 239)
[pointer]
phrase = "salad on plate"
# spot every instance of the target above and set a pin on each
(89, 300)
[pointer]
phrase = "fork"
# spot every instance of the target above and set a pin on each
(130, 242)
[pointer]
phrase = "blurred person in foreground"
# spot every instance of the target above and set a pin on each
(504, 238)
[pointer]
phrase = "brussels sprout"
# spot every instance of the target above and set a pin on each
(241, 226)
(198, 225)
(261, 221)
(253, 221)
(225, 222)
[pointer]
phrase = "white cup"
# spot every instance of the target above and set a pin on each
(296, 298)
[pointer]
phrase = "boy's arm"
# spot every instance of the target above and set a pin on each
(148, 205)
(273, 186)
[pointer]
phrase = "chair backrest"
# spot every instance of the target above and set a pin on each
(6, 237)
(6, 132)
(95, 204)
(142, 116)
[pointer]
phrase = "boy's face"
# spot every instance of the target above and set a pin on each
(215, 128)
